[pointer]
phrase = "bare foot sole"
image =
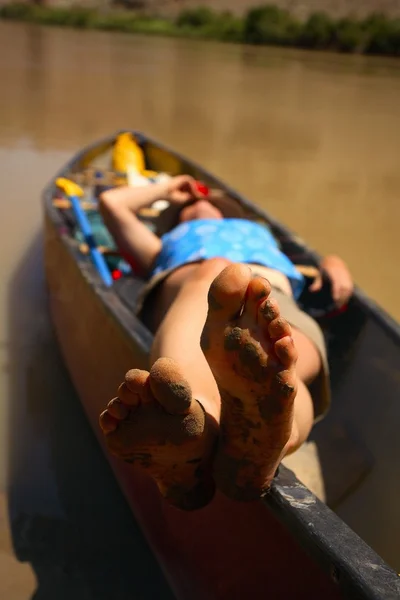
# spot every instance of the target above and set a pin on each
(156, 424)
(250, 351)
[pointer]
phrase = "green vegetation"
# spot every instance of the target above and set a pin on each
(317, 32)
(266, 25)
(270, 25)
(382, 35)
(348, 35)
(207, 24)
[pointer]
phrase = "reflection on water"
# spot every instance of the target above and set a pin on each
(315, 138)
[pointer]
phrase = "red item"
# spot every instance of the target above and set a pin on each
(116, 274)
(202, 188)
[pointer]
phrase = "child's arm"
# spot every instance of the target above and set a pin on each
(119, 207)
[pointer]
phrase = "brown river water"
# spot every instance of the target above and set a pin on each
(314, 138)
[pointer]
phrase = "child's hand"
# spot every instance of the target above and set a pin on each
(341, 280)
(182, 189)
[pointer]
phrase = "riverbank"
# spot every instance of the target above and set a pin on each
(264, 25)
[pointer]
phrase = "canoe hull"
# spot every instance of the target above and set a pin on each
(227, 550)
(204, 554)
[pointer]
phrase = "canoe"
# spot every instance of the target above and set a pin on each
(290, 544)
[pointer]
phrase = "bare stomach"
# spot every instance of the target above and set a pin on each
(276, 278)
(168, 290)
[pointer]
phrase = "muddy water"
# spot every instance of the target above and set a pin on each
(314, 138)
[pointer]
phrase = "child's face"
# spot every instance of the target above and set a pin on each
(201, 209)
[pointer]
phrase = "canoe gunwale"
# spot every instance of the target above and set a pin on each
(356, 569)
(353, 565)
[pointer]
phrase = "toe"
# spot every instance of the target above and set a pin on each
(228, 292)
(169, 386)
(286, 351)
(136, 379)
(135, 389)
(268, 310)
(258, 290)
(279, 328)
(107, 422)
(117, 410)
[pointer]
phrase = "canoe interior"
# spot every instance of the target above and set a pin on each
(229, 550)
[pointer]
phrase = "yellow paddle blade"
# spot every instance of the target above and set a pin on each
(127, 155)
(70, 188)
(149, 174)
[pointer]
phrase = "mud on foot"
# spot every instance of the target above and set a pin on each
(155, 423)
(250, 351)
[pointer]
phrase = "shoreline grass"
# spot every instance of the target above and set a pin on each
(262, 25)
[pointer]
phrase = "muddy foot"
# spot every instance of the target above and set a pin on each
(156, 424)
(249, 348)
